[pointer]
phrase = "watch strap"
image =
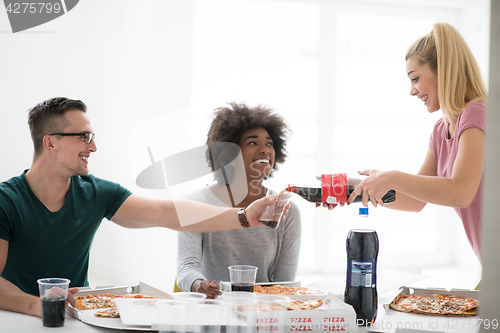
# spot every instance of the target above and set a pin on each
(242, 217)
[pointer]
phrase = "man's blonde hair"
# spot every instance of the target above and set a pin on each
(459, 77)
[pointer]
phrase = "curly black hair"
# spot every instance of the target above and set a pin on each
(230, 123)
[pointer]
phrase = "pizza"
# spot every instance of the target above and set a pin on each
(309, 304)
(108, 313)
(435, 304)
(289, 291)
(90, 302)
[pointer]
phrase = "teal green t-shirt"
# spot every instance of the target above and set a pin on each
(53, 244)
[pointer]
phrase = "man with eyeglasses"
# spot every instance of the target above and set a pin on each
(51, 212)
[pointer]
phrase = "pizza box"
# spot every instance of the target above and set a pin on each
(392, 321)
(87, 316)
(333, 316)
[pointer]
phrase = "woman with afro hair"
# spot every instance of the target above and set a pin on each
(244, 146)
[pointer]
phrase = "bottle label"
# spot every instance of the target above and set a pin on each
(361, 273)
(334, 188)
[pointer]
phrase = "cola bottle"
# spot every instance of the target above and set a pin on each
(361, 284)
(332, 189)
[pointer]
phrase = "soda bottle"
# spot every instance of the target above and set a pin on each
(332, 189)
(361, 285)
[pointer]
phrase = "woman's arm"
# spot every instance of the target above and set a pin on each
(189, 253)
(457, 191)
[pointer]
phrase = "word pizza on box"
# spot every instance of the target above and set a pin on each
(309, 328)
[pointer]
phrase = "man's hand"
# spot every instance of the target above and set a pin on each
(71, 298)
(256, 208)
(207, 287)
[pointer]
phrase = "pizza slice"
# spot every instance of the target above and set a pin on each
(308, 304)
(108, 313)
(90, 302)
(281, 290)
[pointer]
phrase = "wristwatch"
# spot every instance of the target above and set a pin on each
(242, 217)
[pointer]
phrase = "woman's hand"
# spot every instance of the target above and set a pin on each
(207, 287)
(373, 187)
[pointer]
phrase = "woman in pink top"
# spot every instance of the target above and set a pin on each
(444, 75)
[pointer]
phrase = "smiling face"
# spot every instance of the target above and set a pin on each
(424, 83)
(72, 152)
(258, 153)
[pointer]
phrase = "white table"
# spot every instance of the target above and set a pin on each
(11, 322)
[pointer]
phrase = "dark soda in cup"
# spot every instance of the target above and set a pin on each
(53, 312)
(242, 287)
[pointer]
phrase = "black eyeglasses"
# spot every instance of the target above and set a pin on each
(87, 136)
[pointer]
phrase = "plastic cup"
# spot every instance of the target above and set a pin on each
(189, 296)
(271, 216)
(209, 316)
(53, 295)
(232, 294)
(172, 316)
(239, 314)
(193, 299)
(270, 313)
(242, 277)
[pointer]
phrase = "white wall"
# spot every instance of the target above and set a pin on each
(490, 311)
(129, 61)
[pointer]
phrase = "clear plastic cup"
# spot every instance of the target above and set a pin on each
(239, 314)
(193, 298)
(232, 294)
(271, 216)
(172, 316)
(53, 294)
(208, 316)
(242, 277)
(189, 296)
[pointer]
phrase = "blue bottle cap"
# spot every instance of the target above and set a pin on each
(363, 211)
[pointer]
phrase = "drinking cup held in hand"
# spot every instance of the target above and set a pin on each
(53, 295)
(271, 216)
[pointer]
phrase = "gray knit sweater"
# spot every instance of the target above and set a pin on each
(207, 256)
